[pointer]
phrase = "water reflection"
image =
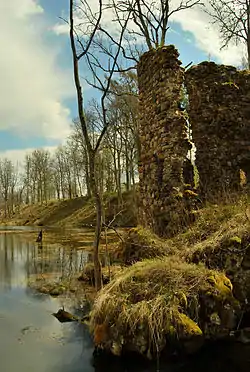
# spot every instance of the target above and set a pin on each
(21, 259)
(33, 340)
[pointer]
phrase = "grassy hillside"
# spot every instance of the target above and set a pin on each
(76, 212)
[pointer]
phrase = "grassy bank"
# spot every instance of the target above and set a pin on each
(184, 290)
(76, 212)
(197, 289)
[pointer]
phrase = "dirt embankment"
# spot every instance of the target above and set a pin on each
(77, 212)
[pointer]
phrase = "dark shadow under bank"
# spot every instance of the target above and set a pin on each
(214, 357)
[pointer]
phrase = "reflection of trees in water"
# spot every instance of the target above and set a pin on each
(19, 259)
(12, 260)
(5, 266)
(57, 260)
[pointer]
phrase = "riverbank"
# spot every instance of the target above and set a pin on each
(186, 290)
(77, 212)
(41, 342)
(198, 290)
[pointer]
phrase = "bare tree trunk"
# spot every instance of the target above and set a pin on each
(98, 227)
(248, 33)
(87, 172)
(128, 178)
(90, 153)
(119, 172)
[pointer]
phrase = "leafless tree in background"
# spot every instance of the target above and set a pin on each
(151, 18)
(81, 49)
(8, 180)
(233, 20)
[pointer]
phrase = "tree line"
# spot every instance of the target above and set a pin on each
(64, 173)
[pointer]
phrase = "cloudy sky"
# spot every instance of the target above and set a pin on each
(37, 97)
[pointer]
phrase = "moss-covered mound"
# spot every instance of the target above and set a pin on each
(229, 252)
(139, 244)
(163, 305)
(51, 288)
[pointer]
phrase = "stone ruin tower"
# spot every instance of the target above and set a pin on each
(163, 135)
(219, 112)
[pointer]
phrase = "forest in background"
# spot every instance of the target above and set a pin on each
(64, 173)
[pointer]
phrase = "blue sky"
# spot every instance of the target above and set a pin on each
(37, 92)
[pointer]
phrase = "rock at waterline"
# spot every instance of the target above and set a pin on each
(64, 316)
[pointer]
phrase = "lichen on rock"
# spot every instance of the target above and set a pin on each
(229, 253)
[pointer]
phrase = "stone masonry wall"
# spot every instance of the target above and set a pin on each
(242, 144)
(164, 143)
(219, 113)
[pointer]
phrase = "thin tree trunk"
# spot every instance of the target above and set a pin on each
(248, 34)
(119, 186)
(91, 156)
(98, 227)
(87, 173)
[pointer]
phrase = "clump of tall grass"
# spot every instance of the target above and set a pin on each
(156, 301)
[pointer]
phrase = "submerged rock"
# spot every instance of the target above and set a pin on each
(163, 305)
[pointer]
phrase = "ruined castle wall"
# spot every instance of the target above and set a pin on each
(219, 99)
(242, 81)
(162, 132)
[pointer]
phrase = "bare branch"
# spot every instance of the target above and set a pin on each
(233, 20)
(151, 18)
(85, 49)
(108, 84)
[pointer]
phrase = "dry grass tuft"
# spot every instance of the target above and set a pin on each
(155, 299)
(214, 221)
(140, 243)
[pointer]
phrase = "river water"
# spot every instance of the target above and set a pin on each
(31, 339)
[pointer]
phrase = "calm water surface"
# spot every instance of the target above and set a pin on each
(31, 339)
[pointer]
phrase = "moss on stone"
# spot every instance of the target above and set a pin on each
(235, 240)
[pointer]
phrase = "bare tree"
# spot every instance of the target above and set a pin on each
(124, 102)
(37, 177)
(77, 41)
(151, 18)
(8, 179)
(233, 20)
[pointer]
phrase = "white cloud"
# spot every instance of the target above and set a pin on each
(33, 86)
(18, 156)
(207, 36)
(107, 20)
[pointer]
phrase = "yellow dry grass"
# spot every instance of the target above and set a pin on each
(157, 297)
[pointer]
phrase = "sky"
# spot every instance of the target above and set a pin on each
(37, 94)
